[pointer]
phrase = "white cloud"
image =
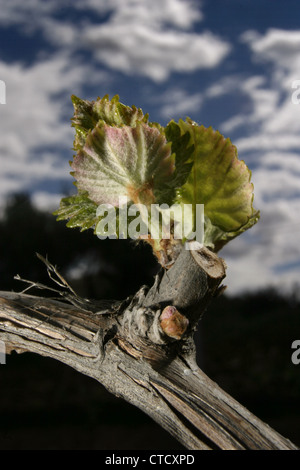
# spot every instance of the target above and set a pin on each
(281, 160)
(179, 13)
(154, 52)
(86, 265)
(18, 12)
(264, 142)
(278, 46)
(269, 254)
(35, 121)
(32, 114)
(224, 86)
(151, 39)
(177, 102)
(45, 201)
(272, 95)
(273, 112)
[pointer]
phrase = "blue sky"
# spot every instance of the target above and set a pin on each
(227, 64)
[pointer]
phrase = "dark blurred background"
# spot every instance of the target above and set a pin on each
(244, 344)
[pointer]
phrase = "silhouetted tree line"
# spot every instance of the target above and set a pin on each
(244, 344)
(95, 268)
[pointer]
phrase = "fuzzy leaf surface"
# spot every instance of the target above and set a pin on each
(87, 115)
(127, 161)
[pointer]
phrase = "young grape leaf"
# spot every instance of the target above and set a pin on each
(87, 115)
(183, 150)
(127, 161)
(218, 179)
(79, 210)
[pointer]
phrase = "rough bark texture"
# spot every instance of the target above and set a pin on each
(143, 351)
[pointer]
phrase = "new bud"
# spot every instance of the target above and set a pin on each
(173, 323)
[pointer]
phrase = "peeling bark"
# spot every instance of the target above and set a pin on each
(144, 353)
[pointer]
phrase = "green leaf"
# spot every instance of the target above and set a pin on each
(79, 210)
(183, 150)
(87, 115)
(216, 238)
(128, 161)
(218, 179)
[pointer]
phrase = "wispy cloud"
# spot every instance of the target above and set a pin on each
(35, 121)
(176, 103)
(154, 39)
(269, 141)
(154, 53)
(273, 110)
(151, 39)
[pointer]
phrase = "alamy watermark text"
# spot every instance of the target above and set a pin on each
(181, 222)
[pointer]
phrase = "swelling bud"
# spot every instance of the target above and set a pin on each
(173, 323)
